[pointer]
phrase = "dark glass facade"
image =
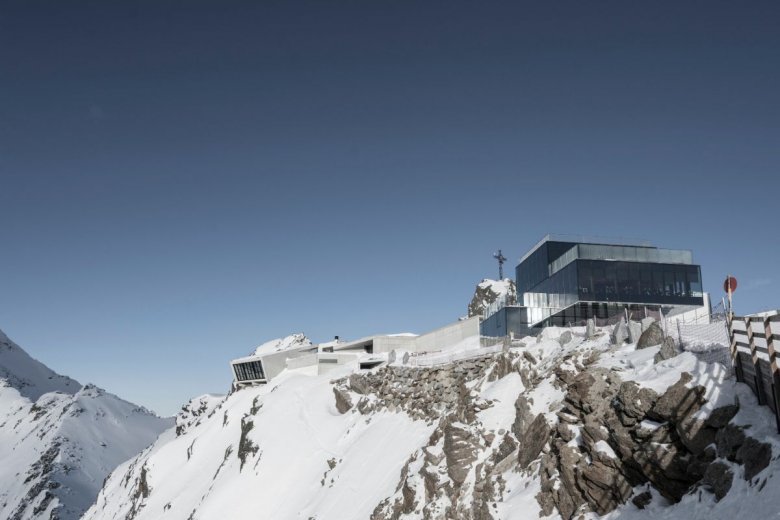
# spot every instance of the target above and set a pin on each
(249, 371)
(573, 281)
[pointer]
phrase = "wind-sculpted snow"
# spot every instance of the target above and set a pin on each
(559, 425)
(57, 447)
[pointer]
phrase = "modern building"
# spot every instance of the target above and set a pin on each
(568, 280)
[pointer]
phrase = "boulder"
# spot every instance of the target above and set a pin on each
(536, 436)
(653, 336)
(523, 417)
(343, 400)
(632, 402)
(619, 333)
(720, 417)
(678, 401)
(565, 337)
(642, 500)
(695, 434)
(359, 384)
(728, 441)
(668, 350)
(755, 456)
(590, 328)
(718, 478)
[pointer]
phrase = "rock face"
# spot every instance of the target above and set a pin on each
(488, 291)
(619, 451)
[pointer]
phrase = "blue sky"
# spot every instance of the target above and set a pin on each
(179, 183)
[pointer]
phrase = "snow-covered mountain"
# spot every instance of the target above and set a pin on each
(490, 291)
(59, 440)
(567, 424)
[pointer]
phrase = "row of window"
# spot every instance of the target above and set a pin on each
(249, 371)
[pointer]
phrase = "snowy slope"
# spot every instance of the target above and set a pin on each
(508, 435)
(58, 439)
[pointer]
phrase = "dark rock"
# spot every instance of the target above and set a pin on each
(718, 479)
(679, 401)
(642, 500)
(343, 400)
(720, 417)
(728, 440)
(651, 337)
(755, 456)
(668, 350)
(633, 402)
(695, 434)
(536, 436)
(523, 417)
(565, 338)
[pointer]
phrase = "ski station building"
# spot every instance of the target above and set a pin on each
(569, 280)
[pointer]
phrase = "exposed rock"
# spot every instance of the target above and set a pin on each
(359, 384)
(605, 488)
(531, 444)
(343, 400)
(643, 499)
(651, 337)
(459, 451)
(523, 417)
(633, 402)
(668, 350)
(679, 401)
(720, 417)
(565, 338)
(729, 440)
(619, 333)
(718, 479)
(755, 456)
(695, 434)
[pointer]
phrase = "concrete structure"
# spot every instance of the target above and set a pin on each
(261, 368)
(443, 338)
(364, 353)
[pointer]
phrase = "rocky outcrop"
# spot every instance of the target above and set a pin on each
(631, 436)
(488, 291)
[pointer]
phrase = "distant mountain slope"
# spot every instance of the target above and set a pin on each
(59, 439)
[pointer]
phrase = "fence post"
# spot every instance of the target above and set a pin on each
(770, 347)
(735, 360)
(756, 364)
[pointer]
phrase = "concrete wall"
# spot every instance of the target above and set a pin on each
(388, 343)
(327, 362)
(447, 336)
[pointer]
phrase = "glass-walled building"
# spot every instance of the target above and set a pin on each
(562, 282)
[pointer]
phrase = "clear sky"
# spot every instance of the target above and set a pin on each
(180, 182)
